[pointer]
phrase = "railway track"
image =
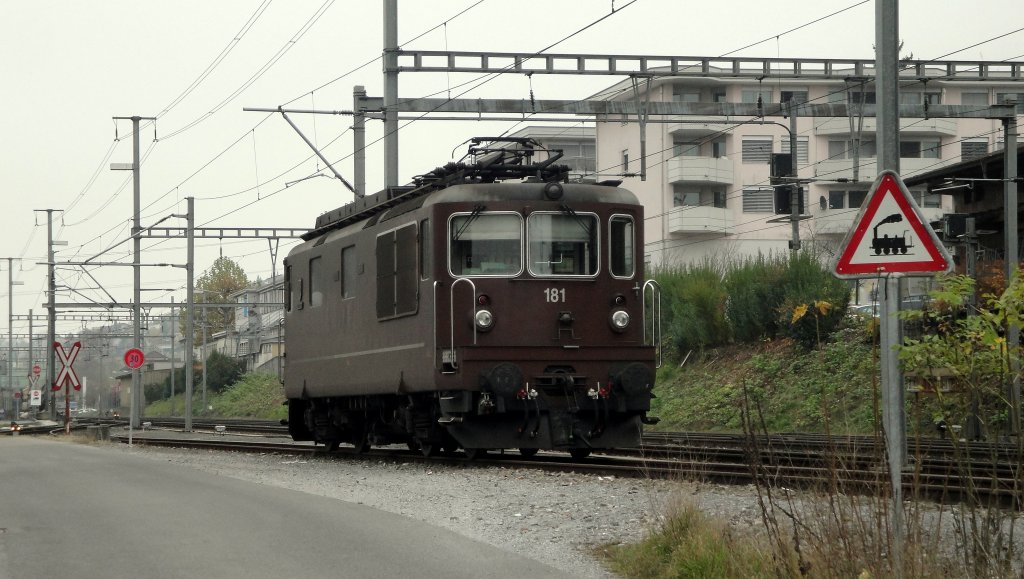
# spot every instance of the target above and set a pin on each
(942, 469)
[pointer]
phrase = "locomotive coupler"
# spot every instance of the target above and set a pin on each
(486, 405)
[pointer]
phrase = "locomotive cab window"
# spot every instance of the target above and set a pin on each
(563, 244)
(485, 244)
(620, 246)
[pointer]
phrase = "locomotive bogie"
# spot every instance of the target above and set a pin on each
(482, 315)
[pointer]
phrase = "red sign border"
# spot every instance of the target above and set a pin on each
(131, 351)
(890, 182)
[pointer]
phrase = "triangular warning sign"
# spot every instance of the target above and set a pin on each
(890, 235)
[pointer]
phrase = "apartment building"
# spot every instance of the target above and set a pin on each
(707, 189)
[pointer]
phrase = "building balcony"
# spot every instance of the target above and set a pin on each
(843, 168)
(698, 219)
(840, 221)
(701, 127)
(840, 126)
(710, 170)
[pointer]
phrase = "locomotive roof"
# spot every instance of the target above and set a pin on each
(486, 178)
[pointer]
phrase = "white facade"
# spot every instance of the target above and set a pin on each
(707, 192)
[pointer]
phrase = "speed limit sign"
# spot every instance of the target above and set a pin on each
(134, 358)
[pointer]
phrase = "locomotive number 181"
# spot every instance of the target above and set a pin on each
(554, 295)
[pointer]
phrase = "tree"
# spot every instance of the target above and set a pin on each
(215, 285)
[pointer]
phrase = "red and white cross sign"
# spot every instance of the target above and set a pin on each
(67, 373)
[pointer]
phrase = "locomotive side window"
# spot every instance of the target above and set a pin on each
(348, 272)
(316, 282)
(397, 292)
(288, 288)
(563, 244)
(485, 244)
(425, 249)
(620, 246)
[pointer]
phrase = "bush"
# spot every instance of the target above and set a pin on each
(693, 302)
(813, 302)
(755, 293)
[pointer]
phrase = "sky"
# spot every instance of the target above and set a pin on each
(68, 68)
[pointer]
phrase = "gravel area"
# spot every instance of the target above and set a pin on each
(555, 518)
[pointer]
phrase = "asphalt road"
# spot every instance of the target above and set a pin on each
(72, 510)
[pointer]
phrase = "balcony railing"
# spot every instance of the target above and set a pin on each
(930, 127)
(710, 170)
(699, 219)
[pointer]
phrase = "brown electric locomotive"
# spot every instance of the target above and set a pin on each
(490, 305)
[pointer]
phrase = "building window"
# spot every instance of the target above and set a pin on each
(798, 96)
(856, 198)
(973, 148)
(923, 149)
(856, 96)
(757, 149)
(1002, 97)
(837, 199)
(683, 95)
(685, 149)
(974, 98)
(348, 272)
(844, 149)
(926, 199)
(698, 197)
(801, 148)
(718, 149)
(758, 201)
(918, 98)
(751, 95)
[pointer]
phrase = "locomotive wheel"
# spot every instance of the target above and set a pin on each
(528, 452)
(332, 445)
(475, 453)
(361, 444)
(579, 453)
(428, 449)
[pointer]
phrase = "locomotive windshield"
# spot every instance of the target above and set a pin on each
(562, 244)
(486, 244)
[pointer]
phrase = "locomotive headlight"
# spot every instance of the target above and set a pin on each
(619, 320)
(484, 320)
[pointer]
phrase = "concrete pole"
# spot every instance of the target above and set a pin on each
(391, 92)
(51, 322)
(189, 311)
(137, 269)
(173, 331)
(795, 193)
(205, 360)
(888, 140)
(10, 332)
(359, 140)
(1012, 258)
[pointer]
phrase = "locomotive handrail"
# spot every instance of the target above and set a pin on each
(655, 316)
(451, 314)
(436, 283)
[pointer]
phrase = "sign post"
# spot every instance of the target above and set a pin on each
(901, 243)
(67, 378)
(133, 358)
